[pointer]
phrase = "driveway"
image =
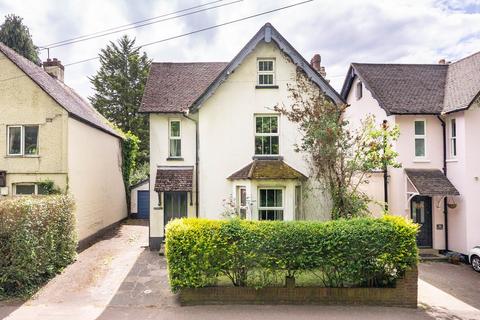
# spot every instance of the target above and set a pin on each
(119, 278)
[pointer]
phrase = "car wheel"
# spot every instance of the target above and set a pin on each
(476, 263)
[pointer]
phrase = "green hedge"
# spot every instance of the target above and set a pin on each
(356, 252)
(37, 240)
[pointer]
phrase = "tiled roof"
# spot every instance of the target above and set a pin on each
(405, 88)
(171, 178)
(65, 96)
(463, 83)
(431, 182)
(420, 88)
(267, 169)
(173, 87)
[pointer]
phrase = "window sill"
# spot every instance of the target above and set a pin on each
(452, 160)
(266, 87)
(174, 159)
(267, 157)
(421, 161)
(22, 156)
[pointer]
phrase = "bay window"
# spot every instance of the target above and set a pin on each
(270, 206)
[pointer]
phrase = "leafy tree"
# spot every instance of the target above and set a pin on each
(341, 157)
(119, 85)
(16, 35)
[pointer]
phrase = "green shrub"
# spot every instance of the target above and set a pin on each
(37, 240)
(355, 252)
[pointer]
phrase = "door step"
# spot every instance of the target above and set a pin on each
(431, 255)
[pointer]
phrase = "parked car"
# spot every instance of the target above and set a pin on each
(474, 258)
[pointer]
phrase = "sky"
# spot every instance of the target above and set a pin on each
(341, 31)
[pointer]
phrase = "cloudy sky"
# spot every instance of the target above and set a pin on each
(342, 31)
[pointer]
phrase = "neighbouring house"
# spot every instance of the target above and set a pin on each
(48, 132)
(140, 199)
(216, 143)
(437, 109)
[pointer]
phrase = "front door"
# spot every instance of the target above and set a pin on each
(175, 206)
(421, 211)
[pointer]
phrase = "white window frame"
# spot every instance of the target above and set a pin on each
(453, 138)
(420, 136)
(238, 201)
(269, 134)
(22, 140)
(25, 184)
(263, 72)
(170, 137)
(282, 208)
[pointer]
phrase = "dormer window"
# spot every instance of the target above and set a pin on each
(359, 90)
(266, 72)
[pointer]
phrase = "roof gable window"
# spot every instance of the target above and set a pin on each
(359, 90)
(266, 72)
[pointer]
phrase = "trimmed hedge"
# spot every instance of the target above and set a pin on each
(37, 240)
(358, 252)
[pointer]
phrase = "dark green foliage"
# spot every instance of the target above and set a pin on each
(14, 34)
(356, 252)
(119, 85)
(129, 162)
(37, 240)
(48, 187)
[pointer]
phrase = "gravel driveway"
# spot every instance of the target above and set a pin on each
(119, 278)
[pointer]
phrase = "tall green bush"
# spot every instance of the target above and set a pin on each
(356, 252)
(37, 240)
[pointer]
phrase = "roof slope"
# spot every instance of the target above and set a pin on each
(405, 88)
(463, 83)
(267, 170)
(65, 96)
(431, 182)
(173, 87)
(419, 88)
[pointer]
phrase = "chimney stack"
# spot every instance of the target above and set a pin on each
(442, 61)
(54, 68)
(316, 64)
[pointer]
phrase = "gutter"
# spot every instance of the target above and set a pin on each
(445, 206)
(185, 114)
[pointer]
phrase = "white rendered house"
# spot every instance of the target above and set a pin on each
(215, 138)
(437, 110)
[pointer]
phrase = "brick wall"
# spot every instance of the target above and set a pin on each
(403, 295)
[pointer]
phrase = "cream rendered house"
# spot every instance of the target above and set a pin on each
(215, 138)
(438, 112)
(48, 132)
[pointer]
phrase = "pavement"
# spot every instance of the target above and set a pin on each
(119, 278)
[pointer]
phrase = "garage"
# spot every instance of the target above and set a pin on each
(140, 200)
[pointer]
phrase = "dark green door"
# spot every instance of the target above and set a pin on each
(175, 205)
(421, 211)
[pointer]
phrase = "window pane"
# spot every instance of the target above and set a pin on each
(175, 147)
(263, 197)
(266, 145)
(419, 147)
(258, 145)
(31, 140)
(274, 145)
(265, 79)
(271, 214)
(25, 189)
(454, 128)
(175, 129)
(278, 198)
(14, 140)
(419, 127)
(258, 124)
(273, 124)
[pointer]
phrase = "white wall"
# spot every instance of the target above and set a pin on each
(95, 177)
(134, 196)
(159, 154)
(226, 126)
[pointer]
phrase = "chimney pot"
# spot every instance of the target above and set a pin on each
(54, 68)
(442, 61)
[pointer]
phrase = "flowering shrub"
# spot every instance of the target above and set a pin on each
(37, 240)
(357, 252)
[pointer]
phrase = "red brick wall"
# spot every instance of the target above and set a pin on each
(403, 295)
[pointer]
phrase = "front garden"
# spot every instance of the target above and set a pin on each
(355, 253)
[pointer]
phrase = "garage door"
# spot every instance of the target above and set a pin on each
(143, 198)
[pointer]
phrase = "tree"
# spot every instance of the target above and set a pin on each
(341, 157)
(16, 35)
(119, 85)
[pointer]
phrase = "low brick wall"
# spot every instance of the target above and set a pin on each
(403, 295)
